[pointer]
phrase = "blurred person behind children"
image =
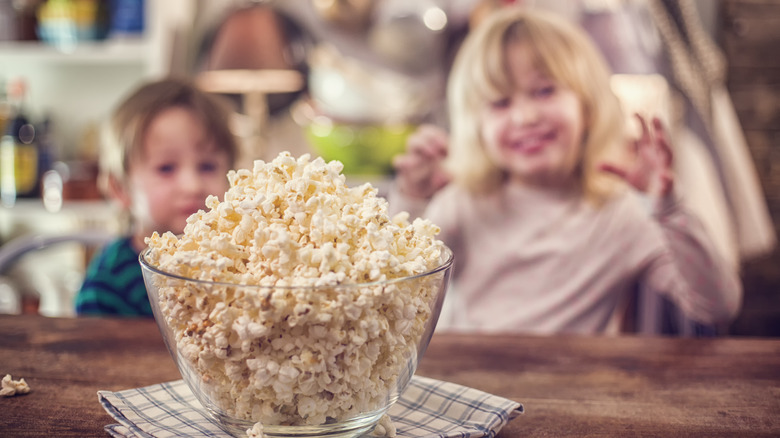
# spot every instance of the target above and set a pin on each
(168, 146)
(546, 238)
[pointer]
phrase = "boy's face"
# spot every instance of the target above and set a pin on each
(535, 133)
(179, 168)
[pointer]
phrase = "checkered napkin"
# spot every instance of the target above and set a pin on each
(428, 408)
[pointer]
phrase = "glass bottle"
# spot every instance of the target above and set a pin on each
(5, 106)
(18, 152)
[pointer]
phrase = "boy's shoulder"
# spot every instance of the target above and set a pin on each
(117, 251)
(120, 244)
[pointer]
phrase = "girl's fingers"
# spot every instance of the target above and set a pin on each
(662, 141)
(440, 180)
(644, 138)
(428, 140)
(435, 144)
(423, 147)
(401, 162)
(414, 167)
(667, 182)
(653, 143)
(433, 150)
(415, 143)
(410, 161)
(615, 170)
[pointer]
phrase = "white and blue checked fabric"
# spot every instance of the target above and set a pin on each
(428, 408)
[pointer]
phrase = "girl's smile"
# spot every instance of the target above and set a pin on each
(531, 143)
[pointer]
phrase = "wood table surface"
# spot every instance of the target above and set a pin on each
(569, 385)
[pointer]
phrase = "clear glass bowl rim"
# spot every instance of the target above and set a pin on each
(449, 259)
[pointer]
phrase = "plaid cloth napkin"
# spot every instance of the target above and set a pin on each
(428, 408)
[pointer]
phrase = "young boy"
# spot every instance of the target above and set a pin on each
(168, 147)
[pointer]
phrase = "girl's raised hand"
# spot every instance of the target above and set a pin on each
(651, 168)
(419, 171)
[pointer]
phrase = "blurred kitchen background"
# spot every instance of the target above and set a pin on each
(348, 80)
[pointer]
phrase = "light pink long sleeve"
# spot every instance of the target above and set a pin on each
(690, 271)
(528, 261)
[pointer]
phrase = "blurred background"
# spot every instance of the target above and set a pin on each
(349, 80)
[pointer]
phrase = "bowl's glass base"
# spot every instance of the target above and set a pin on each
(354, 427)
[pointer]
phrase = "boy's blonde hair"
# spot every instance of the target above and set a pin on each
(480, 75)
(124, 134)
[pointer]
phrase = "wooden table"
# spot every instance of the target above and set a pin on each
(570, 386)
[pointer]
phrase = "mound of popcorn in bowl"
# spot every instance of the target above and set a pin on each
(297, 305)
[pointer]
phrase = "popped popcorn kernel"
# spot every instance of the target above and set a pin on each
(321, 332)
(10, 387)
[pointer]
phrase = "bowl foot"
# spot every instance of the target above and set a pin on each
(352, 428)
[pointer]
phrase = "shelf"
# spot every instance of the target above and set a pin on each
(30, 216)
(108, 52)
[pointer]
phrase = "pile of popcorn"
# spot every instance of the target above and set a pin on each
(331, 332)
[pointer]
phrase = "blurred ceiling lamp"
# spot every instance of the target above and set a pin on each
(254, 86)
(243, 81)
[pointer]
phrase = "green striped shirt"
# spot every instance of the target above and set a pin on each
(113, 284)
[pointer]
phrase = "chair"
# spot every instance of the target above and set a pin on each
(42, 273)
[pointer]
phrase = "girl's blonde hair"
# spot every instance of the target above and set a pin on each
(480, 75)
(125, 131)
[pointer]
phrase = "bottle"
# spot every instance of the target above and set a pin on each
(18, 153)
(47, 147)
(5, 106)
(51, 182)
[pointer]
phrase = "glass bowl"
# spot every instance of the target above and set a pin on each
(303, 361)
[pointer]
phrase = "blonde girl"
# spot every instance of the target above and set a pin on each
(549, 235)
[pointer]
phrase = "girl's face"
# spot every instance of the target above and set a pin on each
(179, 168)
(535, 132)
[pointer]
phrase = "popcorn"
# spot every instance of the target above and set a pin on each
(256, 431)
(384, 427)
(329, 334)
(10, 387)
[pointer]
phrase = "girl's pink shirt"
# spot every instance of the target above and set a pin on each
(534, 262)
